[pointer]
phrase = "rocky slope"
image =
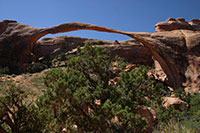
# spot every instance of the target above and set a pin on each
(175, 46)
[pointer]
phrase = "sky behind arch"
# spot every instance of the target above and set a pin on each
(126, 15)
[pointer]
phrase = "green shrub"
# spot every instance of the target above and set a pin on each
(116, 42)
(61, 57)
(194, 110)
(36, 67)
(174, 126)
(185, 119)
(100, 43)
(4, 70)
(18, 113)
(83, 95)
(194, 104)
(47, 60)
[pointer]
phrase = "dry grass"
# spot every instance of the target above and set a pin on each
(175, 127)
(31, 82)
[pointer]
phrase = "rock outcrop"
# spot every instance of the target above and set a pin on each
(17, 40)
(180, 50)
(174, 101)
(132, 50)
(178, 24)
(57, 45)
(177, 50)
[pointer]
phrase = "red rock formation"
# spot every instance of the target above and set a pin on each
(195, 21)
(181, 20)
(177, 51)
(178, 24)
(132, 50)
(170, 20)
(180, 50)
(17, 40)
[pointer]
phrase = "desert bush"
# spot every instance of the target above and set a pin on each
(194, 110)
(186, 119)
(116, 42)
(47, 60)
(83, 96)
(18, 114)
(36, 67)
(4, 70)
(174, 126)
(61, 57)
(100, 43)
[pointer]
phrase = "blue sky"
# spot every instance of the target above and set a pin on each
(126, 15)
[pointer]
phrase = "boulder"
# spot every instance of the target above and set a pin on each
(176, 102)
(181, 20)
(150, 115)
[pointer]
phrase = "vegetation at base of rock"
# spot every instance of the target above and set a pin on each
(84, 96)
(100, 43)
(4, 70)
(174, 126)
(18, 114)
(36, 67)
(47, 60)
(182, 119)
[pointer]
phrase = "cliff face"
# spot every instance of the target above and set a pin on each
(175, 46)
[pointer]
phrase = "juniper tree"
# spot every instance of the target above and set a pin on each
(83, 96)
(18, 113)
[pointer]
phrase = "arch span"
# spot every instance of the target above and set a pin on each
(67, 27)
(22, 38)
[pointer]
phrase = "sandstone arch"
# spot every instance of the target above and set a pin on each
(82, 26)
(17, 40)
